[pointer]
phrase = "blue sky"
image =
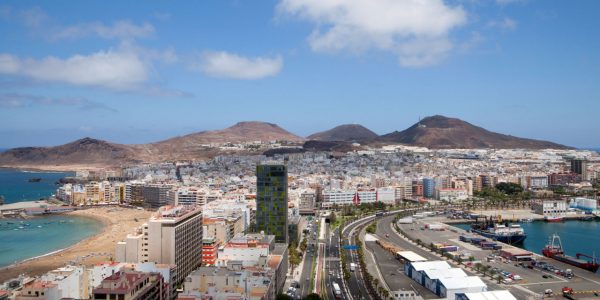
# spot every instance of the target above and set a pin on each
(133, 73)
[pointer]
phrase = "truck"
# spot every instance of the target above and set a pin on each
(352, 267)
(337, 292)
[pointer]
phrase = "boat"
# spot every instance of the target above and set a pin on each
(554, 250)
(36, 179)
(553, 218)
(588, 218)
(505, 233)
(527, 220)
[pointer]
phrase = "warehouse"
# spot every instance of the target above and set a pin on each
(415, 270)
(490, 295)
(449, 287)
(431, 277)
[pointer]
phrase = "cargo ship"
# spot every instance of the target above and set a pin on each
(555, 250)
(506, 233)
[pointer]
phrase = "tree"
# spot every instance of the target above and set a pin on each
(509, 188)
(492, 273)
(284, 297)
(484, 270)
(294, 256)
(478, 266)
(313, 296)
(459, 260)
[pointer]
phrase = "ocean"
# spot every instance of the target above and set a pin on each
(576, 236)
(15, 185)
(23, 239)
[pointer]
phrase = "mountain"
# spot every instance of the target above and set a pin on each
(439, 132)
(93, 152)
(347, 133)
(83, 151)
(240, 132)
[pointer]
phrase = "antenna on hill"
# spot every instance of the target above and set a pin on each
(419, 125)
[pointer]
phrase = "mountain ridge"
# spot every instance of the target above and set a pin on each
(435, 132)
(346, 133)
(440, 132)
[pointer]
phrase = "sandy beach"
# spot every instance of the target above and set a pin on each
(118, 222)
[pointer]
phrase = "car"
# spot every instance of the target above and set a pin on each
(546, 276)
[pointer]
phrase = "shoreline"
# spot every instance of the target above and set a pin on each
(91, 250)
(104, 226)
(58, 168)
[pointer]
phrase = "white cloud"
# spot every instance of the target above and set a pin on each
(416, 31)
(505, 2)
(16, 100)
(123, 29)
(33, 17)
(506, 24)
(228, 65)
(119, 70)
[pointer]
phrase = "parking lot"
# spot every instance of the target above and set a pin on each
(549, 274)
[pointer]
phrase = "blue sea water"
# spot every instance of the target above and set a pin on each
(25, 239)
(42, 235)
(576, 236)
(15, 185)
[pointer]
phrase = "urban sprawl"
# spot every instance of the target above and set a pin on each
(258, 227)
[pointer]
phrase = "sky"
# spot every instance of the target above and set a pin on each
(135, 73)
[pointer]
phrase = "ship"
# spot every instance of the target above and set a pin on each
(506, 233)
(37, 179)
(553, 218)
(554, 250)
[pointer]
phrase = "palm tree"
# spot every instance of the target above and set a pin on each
(484, 269)
(478, 267)
(492, 273)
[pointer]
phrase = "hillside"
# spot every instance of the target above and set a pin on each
(83, 151)
(88, 151)
(439, 132)
(346, 133)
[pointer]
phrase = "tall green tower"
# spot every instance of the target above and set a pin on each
(272, 201)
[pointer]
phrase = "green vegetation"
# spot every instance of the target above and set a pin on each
(509, 188)
(284, 297)
(372, 228)
(313, 296)
(295, 257)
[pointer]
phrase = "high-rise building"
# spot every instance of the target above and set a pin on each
(579, 166)
(272, 201)
(175, 237)
(428, 187)
(156, 196)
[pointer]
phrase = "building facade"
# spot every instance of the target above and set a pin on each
(272, 201)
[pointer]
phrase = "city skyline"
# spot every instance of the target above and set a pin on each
(146, 74)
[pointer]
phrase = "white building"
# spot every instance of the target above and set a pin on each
(449, 287)
(386, 195)
(489, 295)
(551, 208)
(451, 195)
(348, 197)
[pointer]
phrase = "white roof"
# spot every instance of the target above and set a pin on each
(446, 273)
(491, 295)
(430, 265)
(454, 283)
(411, 256)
